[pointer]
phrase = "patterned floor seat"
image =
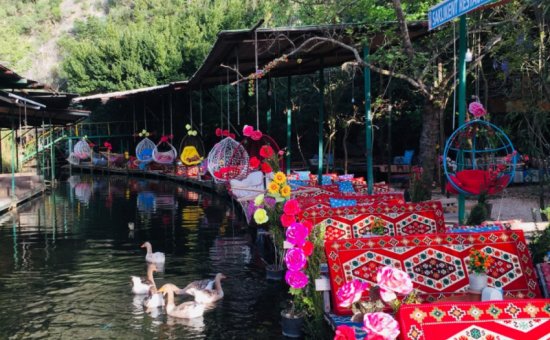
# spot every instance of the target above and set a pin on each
(398, 219)
(505, 320)
(436, 263)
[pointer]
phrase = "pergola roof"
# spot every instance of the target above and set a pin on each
(41, 104)
(239, 47)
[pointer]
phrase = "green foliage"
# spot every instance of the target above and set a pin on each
(540, 245)
(145, 43)
(480, 212)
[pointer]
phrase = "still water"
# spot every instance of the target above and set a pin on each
(66, 260)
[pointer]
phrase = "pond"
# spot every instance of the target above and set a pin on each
(66, 260)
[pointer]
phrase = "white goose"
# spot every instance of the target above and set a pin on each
(156, 257)
(186, 310)
(205, 291)
(142, 285)
(154, 299)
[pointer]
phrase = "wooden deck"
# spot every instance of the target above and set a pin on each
(27, 186)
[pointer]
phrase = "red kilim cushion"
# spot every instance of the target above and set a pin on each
(437, 264)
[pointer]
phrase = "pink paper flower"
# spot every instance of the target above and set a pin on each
(344, 332)
(392, 280)
(292, 207)
(247, 130)
(380, 326)
(256, 135)
(295, 259)
(296, 234)
(218, 132)
(350, 292)
(296, 279)
(477, 109)
(287, 220)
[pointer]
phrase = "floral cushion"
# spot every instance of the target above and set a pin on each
(296, 183)
(338, 203)
(326, 180)
(345, 186)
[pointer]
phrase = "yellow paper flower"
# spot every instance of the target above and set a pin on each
(279, 178)
(273, 188)
(285, 191)
(259, 200)
(260, 216)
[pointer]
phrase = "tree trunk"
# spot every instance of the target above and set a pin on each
(428, 142)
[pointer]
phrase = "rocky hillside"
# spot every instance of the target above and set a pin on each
(32, 29)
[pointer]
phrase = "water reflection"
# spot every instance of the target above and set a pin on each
(68, 257)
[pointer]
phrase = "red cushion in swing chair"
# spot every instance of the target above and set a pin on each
(476, 181)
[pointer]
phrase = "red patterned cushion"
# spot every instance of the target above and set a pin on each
(399, 219)
(436, 263)
(508, 319)
(321, 200)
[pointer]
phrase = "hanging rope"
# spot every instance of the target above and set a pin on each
(134, 114)
(257, 80)
(238, 90)
(221, 105)
(454, 73)
(171, 126)
(144, 115)
(162, 110)
(200, 108)
(191, 108)
(227, 94)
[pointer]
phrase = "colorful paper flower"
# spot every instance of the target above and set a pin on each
(273, 188)
(291, 207)
(218, 132)
(285, 191)
(279, 177)
(477, 109)
(296, 234)
(266, 168)
(266, 151)
(259, 200)
(256, 135)
(287, 220)
(254, 162)
(380, 326)
(392, 280)
(296, 279)
(350, 293)
(248, 130)
(260, 216)
(308, 225)
(344, 332)
(308, 248)
(295, 259)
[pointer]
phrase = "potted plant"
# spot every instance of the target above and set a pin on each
(479, 262)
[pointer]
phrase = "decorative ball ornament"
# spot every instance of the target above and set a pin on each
(227, 160)
(479, 158)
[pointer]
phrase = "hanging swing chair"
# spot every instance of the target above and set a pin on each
(479, 158)
(82, 149)
(192, 148)
(73, 159)
(164, 152)
(144, 149)
(98, 159)
(227, 160)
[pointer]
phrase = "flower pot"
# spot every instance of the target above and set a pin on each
(273, 272)
(291, 324)
(478, 281)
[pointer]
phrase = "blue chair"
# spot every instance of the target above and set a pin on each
(406, 159)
